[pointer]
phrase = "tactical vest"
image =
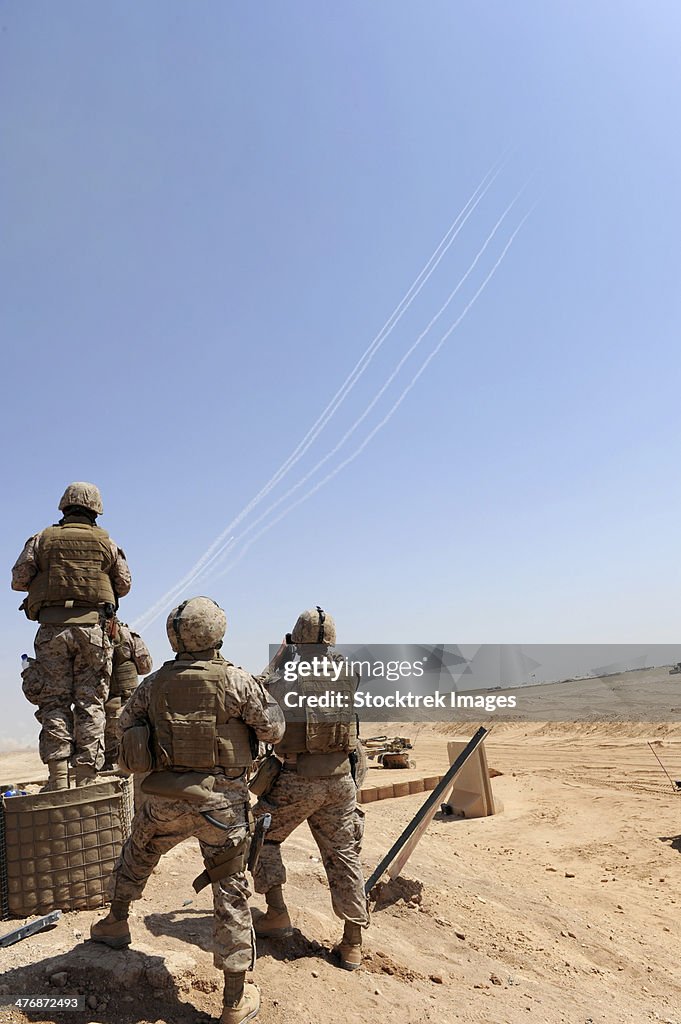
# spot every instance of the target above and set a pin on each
(321, 730)
(74, 561)
(124, 677)
(190, 726)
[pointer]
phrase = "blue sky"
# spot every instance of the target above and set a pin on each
(209, 210)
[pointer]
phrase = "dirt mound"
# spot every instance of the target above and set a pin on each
(397, 890)
(379, 962)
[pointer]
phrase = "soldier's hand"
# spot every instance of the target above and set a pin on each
(281, 657)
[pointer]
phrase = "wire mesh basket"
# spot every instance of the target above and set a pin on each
(57, 849)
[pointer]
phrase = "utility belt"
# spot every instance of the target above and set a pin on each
(313, 766)
(193, 786)
(70, 614)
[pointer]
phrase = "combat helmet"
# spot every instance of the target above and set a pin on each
(84, 494)
(198, 624)
(314, 626)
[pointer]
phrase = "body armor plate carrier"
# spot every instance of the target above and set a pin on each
(124, 676)
(74, 561)
(321, 737)
(191, 727)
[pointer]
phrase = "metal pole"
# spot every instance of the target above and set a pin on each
(444, 783)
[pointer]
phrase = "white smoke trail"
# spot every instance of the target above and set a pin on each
(223, 542)
(388, 416)
(210, 571)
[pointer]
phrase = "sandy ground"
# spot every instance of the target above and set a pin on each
(563, 908)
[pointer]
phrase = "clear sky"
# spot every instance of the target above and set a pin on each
(209, 210)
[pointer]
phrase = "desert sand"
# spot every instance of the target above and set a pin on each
(562, 909)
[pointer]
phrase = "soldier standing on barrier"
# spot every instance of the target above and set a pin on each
(195, 725)
(315, 785)
(131, 659)
(74, 574)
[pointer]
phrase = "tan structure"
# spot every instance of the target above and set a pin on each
(471, 793)
(60, 847)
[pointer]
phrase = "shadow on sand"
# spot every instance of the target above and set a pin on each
(119, 987)
(674, 842)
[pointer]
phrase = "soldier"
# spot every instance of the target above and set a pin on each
(130, 657)
(74, 574)
(316, 785)
(202, 719)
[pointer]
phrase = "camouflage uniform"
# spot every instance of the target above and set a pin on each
(320, 791)
(69, 679)
(329, 805)
(163, 823)
(73, 665)
(130, 657)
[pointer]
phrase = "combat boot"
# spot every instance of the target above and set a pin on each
(350, 947)
(276, 923)
(86, 774)
(58, 776)
(113, 930)
(242, 999)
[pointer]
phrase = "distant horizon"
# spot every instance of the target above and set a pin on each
(8, 745)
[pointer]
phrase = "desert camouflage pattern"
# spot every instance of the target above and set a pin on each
(134, 648)
(128, 647)
(329, 806)
(306, 629)
(160, 825)
(84, 494)
(196, 625)
(26, 567)
(69, 681)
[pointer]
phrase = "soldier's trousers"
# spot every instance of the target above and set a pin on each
(329, 805)
(160, 825)
(72, 670)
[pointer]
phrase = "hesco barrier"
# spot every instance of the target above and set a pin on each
(57, 849)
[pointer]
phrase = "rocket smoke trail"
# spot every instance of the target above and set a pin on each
(224, 542)
(391, 412)
(384, 387)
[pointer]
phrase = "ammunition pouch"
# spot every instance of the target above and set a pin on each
(195, 787)
(134, 753)
(266, 776)
(31, 682)
(230, 861)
